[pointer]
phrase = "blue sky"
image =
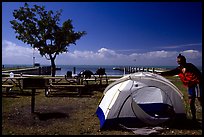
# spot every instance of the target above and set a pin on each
(118, 33)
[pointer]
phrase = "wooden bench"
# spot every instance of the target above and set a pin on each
(8, 87)
(57, 86)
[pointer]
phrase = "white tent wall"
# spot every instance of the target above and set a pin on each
(173, 93)
(112, 94)
(122, 107)
(109, 99)
(126, 104)
(123, 98)
(148, 95)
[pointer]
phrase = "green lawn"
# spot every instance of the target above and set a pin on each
(68, 114)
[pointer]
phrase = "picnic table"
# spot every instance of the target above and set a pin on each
(48, 83)
(64, 83)
(9, 82)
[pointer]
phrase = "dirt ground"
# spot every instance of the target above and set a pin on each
(66, 113)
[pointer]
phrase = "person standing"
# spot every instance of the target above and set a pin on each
(191, 77)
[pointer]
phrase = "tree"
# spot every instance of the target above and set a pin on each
(40, 29)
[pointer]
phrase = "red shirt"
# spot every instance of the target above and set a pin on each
(189, 79)
(188, 73)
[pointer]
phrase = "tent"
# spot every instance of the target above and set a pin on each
(141, 98)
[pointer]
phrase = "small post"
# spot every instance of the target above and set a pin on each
(74, 70)
(124, 71)
(33, 100)
(100, 76)
(39, 71)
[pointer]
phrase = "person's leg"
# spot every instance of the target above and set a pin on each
(191, 96)
(192, 107)
(199, 93)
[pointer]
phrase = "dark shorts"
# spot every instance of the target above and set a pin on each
(195, 91)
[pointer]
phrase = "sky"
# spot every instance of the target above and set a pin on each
(118, 33)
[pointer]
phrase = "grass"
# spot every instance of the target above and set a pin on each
(65, 113)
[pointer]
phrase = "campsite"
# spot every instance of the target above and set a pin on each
(64, 113)
(97, 68)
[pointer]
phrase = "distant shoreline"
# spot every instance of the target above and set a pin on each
(30, 65)
(109, 68)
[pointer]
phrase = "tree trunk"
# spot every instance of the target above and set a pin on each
(53, 67)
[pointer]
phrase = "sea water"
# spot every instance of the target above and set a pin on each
(78, 68)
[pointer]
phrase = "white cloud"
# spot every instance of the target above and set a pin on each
(106, 53)
(16, 54)
(192, 54)
(155, 55)
(182, 45)
(13, 54)
(11, 49)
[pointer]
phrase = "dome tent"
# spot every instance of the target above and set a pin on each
(141, 98)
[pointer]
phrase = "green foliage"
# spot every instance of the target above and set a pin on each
(40, 29)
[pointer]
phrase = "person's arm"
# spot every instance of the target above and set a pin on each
(170, 72)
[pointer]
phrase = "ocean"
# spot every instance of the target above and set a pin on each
(78, 68)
